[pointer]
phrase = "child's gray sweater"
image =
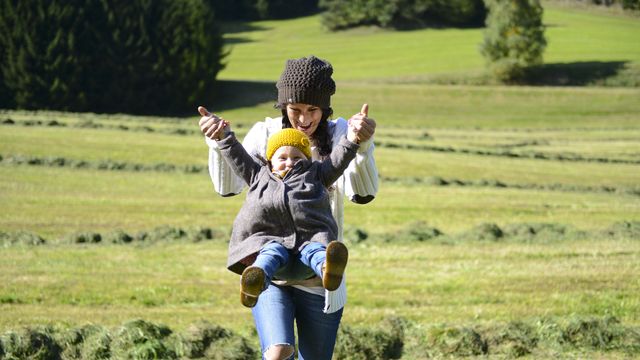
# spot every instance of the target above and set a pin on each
(292, 211)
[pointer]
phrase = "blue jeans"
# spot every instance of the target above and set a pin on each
(275, 256)
(277, 309)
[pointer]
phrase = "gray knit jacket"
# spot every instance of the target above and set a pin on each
(291, 211)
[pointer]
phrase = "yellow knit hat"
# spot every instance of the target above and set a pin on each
(288, 137)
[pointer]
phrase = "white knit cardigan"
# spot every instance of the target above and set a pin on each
(360, 178)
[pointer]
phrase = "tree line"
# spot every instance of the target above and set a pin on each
(163, 56)
(134, 56)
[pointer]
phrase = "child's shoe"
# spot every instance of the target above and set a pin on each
(334, 265)
(251, 285)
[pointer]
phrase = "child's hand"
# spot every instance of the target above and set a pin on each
(361, 128)
(211, 125)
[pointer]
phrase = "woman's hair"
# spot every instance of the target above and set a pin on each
(321, 136)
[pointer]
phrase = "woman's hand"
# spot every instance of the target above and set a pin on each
(211, 125)
(361, 128)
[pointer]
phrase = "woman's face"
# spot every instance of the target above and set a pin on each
(304, 117)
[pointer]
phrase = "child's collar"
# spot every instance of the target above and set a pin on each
(282, 174)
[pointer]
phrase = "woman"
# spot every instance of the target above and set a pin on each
(304, 94)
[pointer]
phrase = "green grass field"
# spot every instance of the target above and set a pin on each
(451, 156)
(574, 36)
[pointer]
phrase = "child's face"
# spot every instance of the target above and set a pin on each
(285, 158)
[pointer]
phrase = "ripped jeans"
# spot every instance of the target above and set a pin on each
(277, 309)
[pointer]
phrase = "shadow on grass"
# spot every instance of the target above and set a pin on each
(232, 94)
(235, 27)
(574, 73)
(231, 29)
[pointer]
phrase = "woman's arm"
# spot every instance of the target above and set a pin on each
(361, 176)
(234, 154)
(342, 153)
(225, 181)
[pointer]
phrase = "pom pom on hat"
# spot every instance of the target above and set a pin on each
(288, 137)
(306, 81)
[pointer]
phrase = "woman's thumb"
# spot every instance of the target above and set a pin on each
(365, 110)
(203, 111)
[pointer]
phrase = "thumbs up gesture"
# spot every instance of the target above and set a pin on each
(211, 125)
(361, 127)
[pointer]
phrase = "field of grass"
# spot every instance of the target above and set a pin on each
(451, 158)
(177, 284)
(574, 36)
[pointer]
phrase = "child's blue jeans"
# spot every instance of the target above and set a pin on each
(273, 256)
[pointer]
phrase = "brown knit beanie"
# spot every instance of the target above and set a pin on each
(306, 81)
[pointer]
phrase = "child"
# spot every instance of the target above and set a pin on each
(287, 214)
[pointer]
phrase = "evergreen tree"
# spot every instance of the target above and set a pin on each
(514, 37)
(109, 56)
(231, 10)
(631, 4)
(341, 14)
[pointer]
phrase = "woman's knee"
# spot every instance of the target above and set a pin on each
(279, 352)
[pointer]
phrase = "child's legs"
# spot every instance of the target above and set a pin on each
(313, 255)
(272, 257)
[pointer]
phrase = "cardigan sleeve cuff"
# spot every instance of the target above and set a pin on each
(225, 181)
(335, 300)
(361, 176)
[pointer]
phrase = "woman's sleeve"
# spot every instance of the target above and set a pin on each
(225, 181)
(361, 176)
(234, 154)
(341, 156)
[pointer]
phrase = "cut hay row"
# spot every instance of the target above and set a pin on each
(392, 338)
(539, 338)
(496, 138)
(160, 233)
(416, 231)
(98, 122)
(567, 157)
(514, 233)
(438, 181)
(110, 165)
(91, 124)
(136, 339)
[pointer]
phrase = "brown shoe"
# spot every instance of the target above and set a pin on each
(334, 265)
(251, 285)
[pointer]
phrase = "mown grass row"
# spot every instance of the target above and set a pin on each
(460, 154)
(418, 231)
(438, 181)
(564, 153)
(136, 339)
(54, 201)
(507, 153)
(602, 145)
(428, 282)
(89, 124)
(162, 125)
(393, 338)
(109, 165)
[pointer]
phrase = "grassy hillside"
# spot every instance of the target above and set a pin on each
(574, 35)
